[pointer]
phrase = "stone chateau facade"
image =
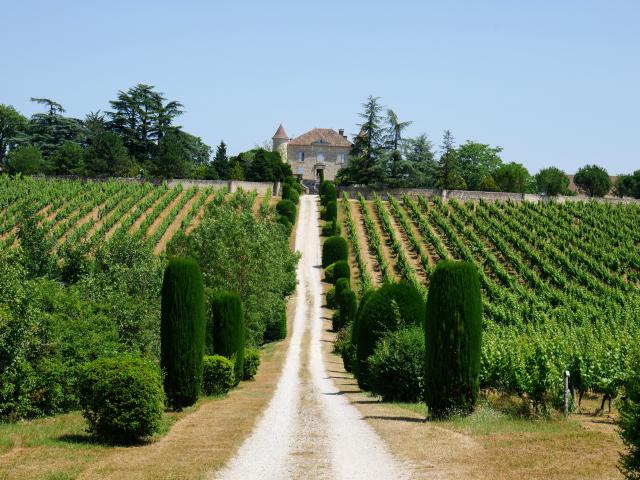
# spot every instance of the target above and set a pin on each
(320, 149)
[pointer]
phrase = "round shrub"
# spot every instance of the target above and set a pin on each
(217, 375)
(182, 330)
(287, 209)
(121, 398)
(227, 328)
(334, 249)
(331, 211)
(391, 307)
(284, 221)
(344, 347)
(396, 368)
(453, 332)
(323, 187)
(328, 273)
(340, 270)
(251, 363)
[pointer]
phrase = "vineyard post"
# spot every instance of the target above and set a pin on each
(566, 393)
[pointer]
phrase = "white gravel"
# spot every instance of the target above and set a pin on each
(308, 429)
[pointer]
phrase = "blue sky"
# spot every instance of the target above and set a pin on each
(552, 82)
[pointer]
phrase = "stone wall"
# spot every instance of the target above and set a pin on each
(232, 185)
(465, 195)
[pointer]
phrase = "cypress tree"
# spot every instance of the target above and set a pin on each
(182, 331)
(227, 323)
(453, 332)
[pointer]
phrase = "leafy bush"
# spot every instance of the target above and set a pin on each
(334, 249)
(294, 196)
(396, 368)
(276, 328)
(344, 347)
(593, 180)
(251, 363)
(289, 192)
(389, 308)
(328, 273)
(333, 294)
(225, 331)
(288, 226)
(217, 375)
(340, 270)
(182, 331)
(121, 398)
(219, 242)
(286, 191)
(287, 209)
(453, 338)
(331, 211)
(630, 424)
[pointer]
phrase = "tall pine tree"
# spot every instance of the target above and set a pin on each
(449, 177)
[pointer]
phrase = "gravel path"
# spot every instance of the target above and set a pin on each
(309, 430)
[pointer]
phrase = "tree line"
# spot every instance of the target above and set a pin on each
(137, 136)
(382, 156)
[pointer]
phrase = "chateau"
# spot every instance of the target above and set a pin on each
(318, 150)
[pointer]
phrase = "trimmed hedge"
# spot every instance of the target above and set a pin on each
(340, 270)
(217, 375)
(453, 335)
(347, 308)
(330, 229)
(329, 194)
(287, 209)
(334, 249)
(331, 297)
(121, 398)
(396, 368)
(391, 307)
(182, 331)
(227, 328)
(331, 211)
(251, 363)
(367, 295)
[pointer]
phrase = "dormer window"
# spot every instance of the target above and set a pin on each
(301, 156)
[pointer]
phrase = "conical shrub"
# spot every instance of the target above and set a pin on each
(227, 325)
(182, 329)
(453, 331)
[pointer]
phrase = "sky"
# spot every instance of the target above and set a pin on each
(554, 83)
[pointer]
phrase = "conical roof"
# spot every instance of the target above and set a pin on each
(281, 134)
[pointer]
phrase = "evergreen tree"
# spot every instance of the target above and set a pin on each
(49, 131)
(593, 180)
(142, 117)
(68, 160)
(107, 155)
(182, 331)
(13, 126)
(453, 332)
(170, 160)
(394, 130)
(365, 166)
(448, 175)
(419, 151)
(226, 335)
(220, 165)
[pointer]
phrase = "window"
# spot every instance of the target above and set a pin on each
(342, 157)
(320, 158)
(301, 156)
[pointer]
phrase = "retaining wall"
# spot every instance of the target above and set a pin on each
(465, 195)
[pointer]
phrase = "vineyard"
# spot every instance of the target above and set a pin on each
(74, 212)
(561, 282)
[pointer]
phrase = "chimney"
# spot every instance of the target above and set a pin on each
(341, 132)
